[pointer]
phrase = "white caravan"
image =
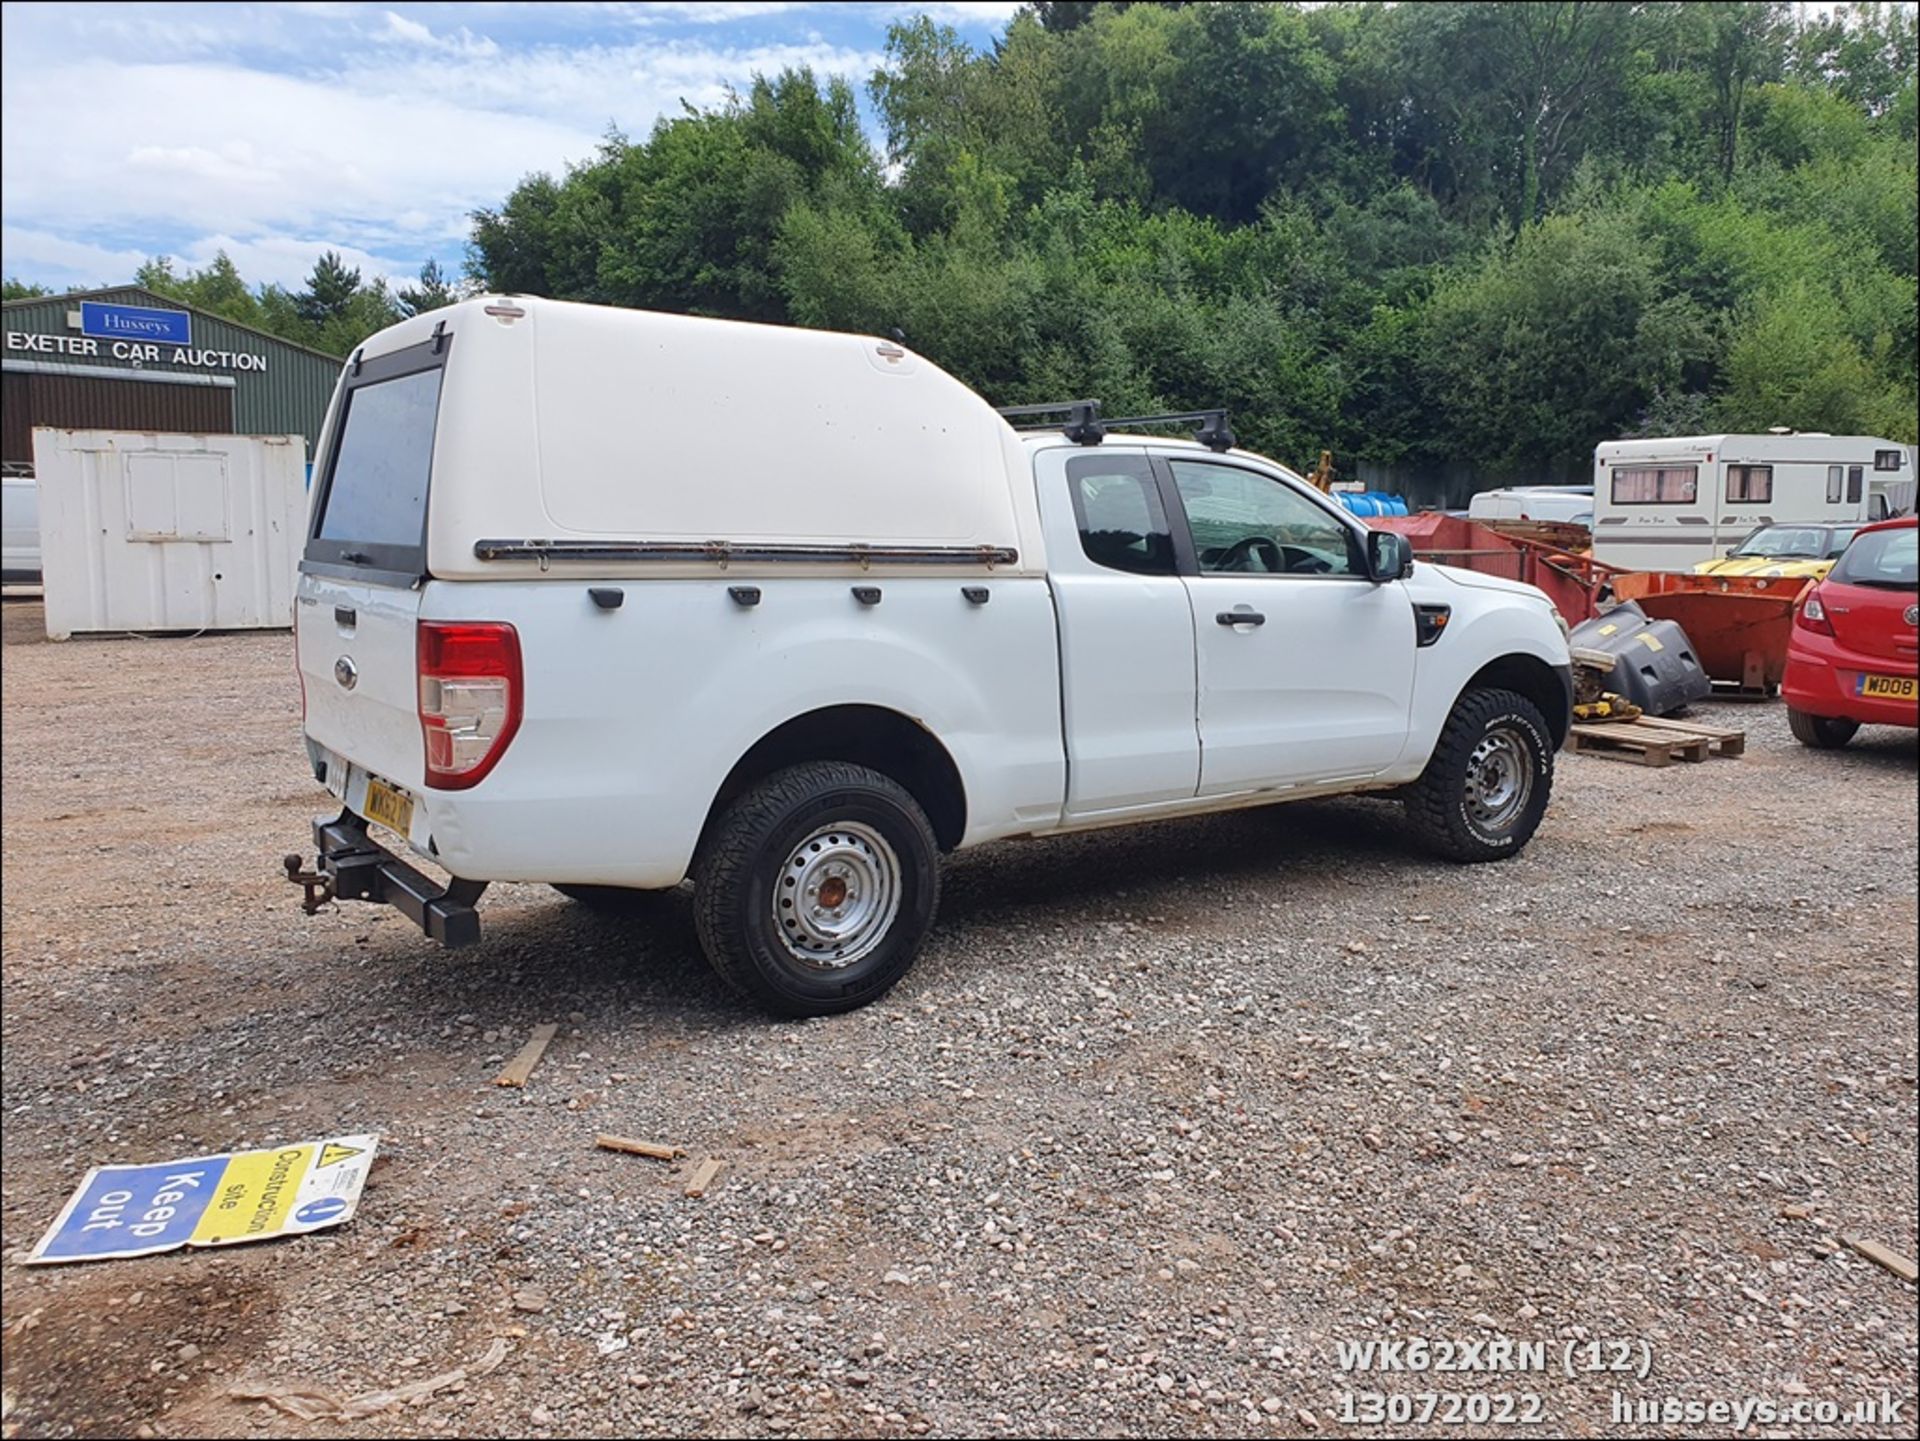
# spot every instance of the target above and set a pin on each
(610, 599)
(1669, 503)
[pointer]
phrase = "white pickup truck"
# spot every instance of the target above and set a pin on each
(609, 599)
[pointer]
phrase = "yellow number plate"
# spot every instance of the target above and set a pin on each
(387, 806)
(1888, 687)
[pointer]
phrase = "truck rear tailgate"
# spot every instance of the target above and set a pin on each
(357, 662)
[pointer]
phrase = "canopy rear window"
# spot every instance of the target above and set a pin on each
(371, 510)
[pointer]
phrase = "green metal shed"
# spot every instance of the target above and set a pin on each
(127, 358)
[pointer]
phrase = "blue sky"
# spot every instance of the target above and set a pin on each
(274, 132)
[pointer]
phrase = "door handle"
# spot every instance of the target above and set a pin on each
(1240, 617)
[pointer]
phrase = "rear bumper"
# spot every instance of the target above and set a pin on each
(1822, 678)
(361, 869)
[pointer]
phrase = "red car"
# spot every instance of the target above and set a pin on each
(1854, 657)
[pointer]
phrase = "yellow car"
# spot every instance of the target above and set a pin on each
(1790, 550)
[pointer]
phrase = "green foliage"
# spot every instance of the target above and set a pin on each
(14, 289)
(335, 311)
(1423, 235)
(433, 291)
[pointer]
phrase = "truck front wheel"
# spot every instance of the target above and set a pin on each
(815, 888)
(1486, 786)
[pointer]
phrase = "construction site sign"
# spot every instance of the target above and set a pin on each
(221, 1200)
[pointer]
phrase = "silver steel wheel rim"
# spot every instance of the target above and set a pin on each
(836, 896)
(1499, 779)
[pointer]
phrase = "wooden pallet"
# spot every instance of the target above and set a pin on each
(1630, 740)
(1653, 741)
(1725, 741)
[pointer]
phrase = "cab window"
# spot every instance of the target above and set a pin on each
(1117, 506)
(1246, 523)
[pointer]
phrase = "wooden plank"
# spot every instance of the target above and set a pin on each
(637, 1148)
(1900, 1265)
(521, 1066)
(704, 1175)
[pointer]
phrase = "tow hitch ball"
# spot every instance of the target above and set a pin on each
(319, 886)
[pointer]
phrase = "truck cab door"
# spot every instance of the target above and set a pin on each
(1305, 664)
(1126, 632)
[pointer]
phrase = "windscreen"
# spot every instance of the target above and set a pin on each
(1888, 558)
(378, 492)
(1808, 541)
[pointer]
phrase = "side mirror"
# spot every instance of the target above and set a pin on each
(1389, 556)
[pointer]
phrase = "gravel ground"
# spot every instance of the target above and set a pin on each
(1162, 1117)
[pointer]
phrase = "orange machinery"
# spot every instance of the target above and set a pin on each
(1738, 624)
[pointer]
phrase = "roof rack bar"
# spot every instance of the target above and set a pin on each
(1082, 425)
(1211, 428)
(1010, 411)
(1086, 426)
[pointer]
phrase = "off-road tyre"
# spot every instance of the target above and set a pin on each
(1448, 806)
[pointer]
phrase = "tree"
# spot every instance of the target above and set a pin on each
(1435, 236)
(433, 291)
(16, 289)
(156, 274)
(330, 289)
(1744, 44)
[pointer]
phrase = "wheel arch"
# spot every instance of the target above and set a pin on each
(876, 737)
(1550, 688)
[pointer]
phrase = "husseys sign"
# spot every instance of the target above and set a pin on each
(136, 335)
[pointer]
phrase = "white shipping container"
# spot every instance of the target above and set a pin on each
(159, 532)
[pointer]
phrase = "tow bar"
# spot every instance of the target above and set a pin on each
(319, 885)
(352, 866)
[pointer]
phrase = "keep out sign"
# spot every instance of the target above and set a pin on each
(209, 1200)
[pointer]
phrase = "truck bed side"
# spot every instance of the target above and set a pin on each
(635, 716)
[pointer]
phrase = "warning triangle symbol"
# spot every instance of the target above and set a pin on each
(333, 1151)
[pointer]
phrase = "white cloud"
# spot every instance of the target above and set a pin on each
(263, 259)
(959, 12)
(59, 261)
(279, 130)
(288, 259)
(411, 32)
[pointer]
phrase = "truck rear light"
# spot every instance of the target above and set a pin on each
(1812, 615)
(470, 693)
(299, 674)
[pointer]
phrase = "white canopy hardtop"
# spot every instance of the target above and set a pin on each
(608, 436)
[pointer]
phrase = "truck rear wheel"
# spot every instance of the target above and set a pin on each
(1485, 788)
(815, 888)
(1823, 733)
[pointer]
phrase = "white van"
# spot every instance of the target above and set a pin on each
(607, 599)
(19, 530)
(1667, 504)
(1565, 504)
